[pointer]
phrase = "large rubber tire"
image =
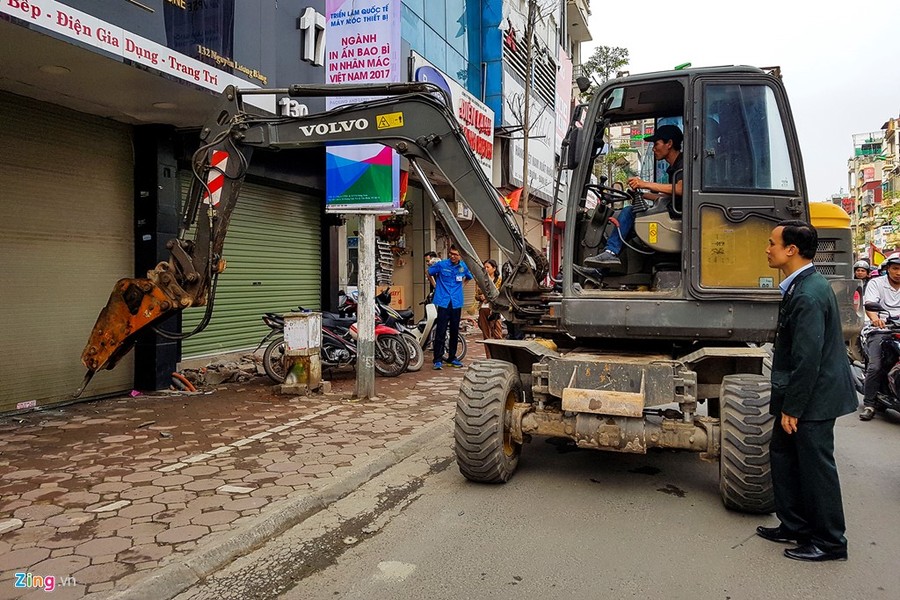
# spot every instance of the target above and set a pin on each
(416, 353)
(391, 355)
(484, 451)
(745, 475)
(273, 360)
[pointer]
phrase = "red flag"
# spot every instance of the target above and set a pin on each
(876, 256)
(404, 186)
(512, 199)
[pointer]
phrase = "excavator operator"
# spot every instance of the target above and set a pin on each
(666, 142)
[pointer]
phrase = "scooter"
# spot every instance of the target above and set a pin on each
(338, 346)
(397, 319)
(889, 396)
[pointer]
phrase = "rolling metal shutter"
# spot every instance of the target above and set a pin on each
(273, 253)
(66, 237)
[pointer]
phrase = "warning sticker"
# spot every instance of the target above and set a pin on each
(654, 233)
(389, 121)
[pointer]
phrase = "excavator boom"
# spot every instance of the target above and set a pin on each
(413, 118)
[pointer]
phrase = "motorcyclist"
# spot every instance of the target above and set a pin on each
(884, 291)
(861, 272)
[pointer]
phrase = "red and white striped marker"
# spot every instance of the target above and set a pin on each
(216, 178)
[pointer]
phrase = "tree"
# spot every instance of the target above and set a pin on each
(605, 62)
(538, 12)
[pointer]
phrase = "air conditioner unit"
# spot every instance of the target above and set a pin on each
(463, 212)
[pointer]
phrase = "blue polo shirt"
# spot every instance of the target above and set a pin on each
(449, 279)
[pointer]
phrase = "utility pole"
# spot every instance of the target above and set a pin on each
(365, 309)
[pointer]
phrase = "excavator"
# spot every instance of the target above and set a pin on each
(666, 349)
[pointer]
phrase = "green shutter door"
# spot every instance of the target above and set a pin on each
(273, 254)
(66, 237)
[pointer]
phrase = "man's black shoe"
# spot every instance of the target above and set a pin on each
(811, 553)
(593, 275)
(867, 413)
(779, 534)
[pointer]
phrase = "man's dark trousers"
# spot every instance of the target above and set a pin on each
(874, 367)
(808, 497)
(447, 316)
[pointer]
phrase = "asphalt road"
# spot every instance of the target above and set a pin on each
(575, 524)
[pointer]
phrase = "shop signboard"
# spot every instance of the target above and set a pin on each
(475, 118)
(210, 44)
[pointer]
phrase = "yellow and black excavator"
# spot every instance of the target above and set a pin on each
(665, 349)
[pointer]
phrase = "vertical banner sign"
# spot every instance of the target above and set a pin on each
(362, 46)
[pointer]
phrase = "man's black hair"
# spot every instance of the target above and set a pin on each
(431, 254)
(800, 234)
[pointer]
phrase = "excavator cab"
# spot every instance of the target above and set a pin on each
(740, 171)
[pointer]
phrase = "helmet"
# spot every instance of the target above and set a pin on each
(861, 264)
(893, 259)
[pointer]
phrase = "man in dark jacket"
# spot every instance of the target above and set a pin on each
(811, 387)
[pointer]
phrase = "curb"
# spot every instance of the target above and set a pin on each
(175, 578)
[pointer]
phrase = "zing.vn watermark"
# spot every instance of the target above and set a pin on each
(47, 583)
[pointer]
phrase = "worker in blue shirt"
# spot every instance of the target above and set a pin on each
(449, 275)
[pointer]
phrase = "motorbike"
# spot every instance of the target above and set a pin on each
(888, 398)
(391, 317)
(422, 331)
(338, 346)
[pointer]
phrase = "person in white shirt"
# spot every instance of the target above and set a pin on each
(883, 291)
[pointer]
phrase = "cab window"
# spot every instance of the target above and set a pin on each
(744, 144)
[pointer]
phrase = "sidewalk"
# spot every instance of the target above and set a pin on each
(111, 493)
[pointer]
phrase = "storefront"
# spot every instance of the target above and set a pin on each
(94, 99)
(65, 237)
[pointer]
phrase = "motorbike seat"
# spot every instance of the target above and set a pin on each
(335, 320)
(406, 315)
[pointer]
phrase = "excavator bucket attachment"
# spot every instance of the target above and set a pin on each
(133, 304)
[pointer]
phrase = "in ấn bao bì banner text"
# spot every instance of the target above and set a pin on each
(476, 119)
(362, 46)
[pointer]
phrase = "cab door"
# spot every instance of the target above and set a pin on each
(746, 176)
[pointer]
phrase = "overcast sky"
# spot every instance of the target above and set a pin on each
(841, 70)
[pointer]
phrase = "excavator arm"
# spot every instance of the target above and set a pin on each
(413, 118)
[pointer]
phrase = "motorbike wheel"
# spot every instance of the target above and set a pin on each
(391, 355)
(273, 360)
(461, 349)
(416, 353)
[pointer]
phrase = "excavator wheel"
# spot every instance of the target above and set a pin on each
(485, 451)
(745, 477)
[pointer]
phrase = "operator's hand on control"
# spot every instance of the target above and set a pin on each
(788, 423)
(636, 183)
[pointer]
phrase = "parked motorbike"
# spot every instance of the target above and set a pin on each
(338, 346)
(391, 317)
(888, 398)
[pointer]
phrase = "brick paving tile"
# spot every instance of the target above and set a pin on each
(103, 546)
(218, 517)
(102, 573)
(201, 485)
(167, 495)
(184, 533)
(25, 557)
(141, 510)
